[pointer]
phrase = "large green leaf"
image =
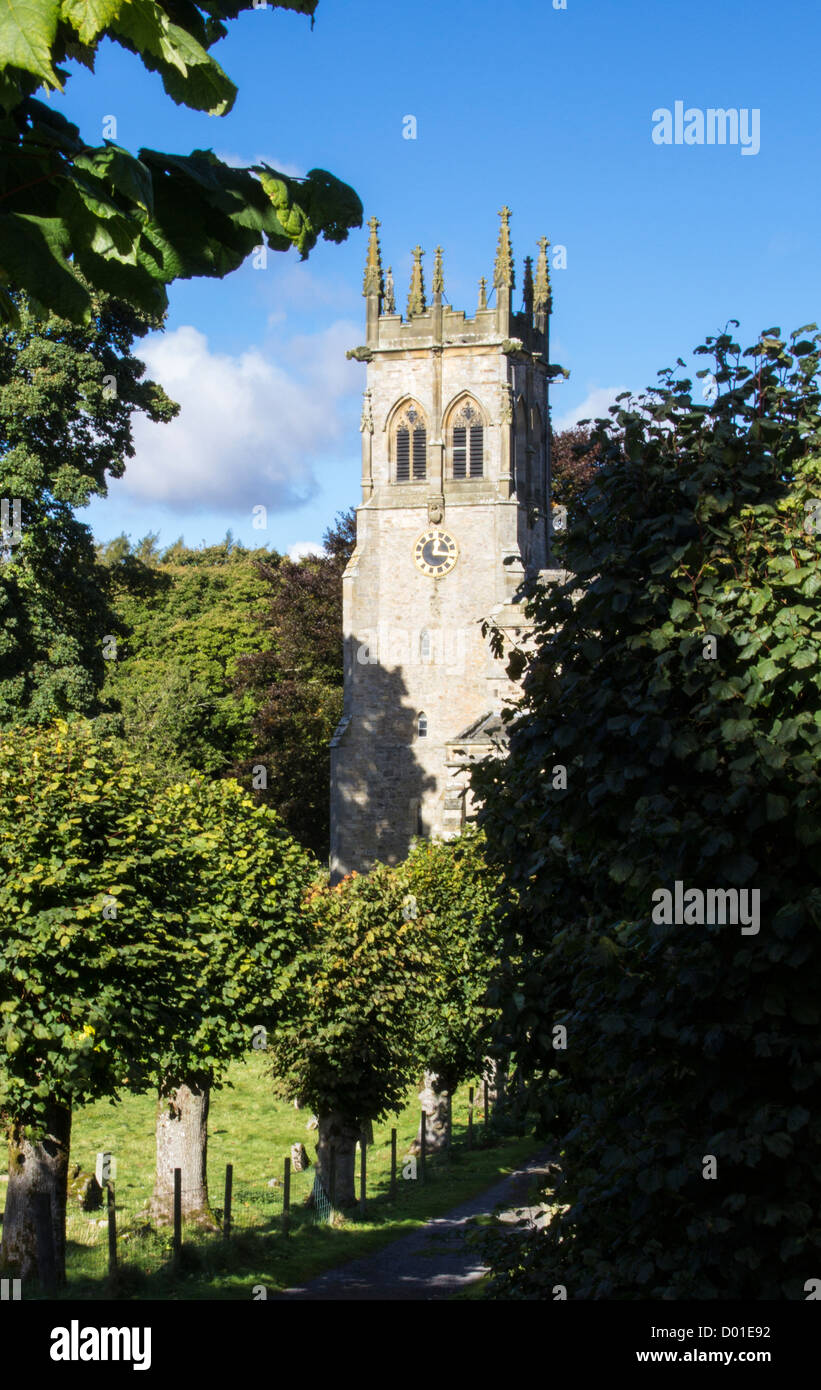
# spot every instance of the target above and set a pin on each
(126, 173)
(90, 17)
(34, 258)
(159, 216)
(189, 74)
(27, 32)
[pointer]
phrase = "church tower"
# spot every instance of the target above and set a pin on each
(454, 515)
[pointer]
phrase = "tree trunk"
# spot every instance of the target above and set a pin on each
(496, 1074)
(338, 1134)
(182, 1142)
(434, 1102)
(34, 1222)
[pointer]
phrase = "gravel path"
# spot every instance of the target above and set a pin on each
(434, 1262)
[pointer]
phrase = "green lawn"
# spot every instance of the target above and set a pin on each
(254, 1132)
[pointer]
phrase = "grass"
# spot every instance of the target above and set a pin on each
(251, 1130)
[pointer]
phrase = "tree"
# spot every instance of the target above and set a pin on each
(188, 617)
(573, 460)
(145, 930)
(295, 683)
(91, 907)
(677, 681)
(392, 979)
(348, 1047)
(458, 899)
(67, 398)
(230, 662)
(244, 933)
(133, 224)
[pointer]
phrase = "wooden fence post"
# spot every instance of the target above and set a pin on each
(470, 1118)
(423, 1146)
(112, 1230)
(363, 1174)
(486, 1106)
(393, 1165)
(332, 1184)
(450, 1123)
(229, 1188)
(286, 1196)
(177, 1214)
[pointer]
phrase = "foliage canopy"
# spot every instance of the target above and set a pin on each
(392, 981)
(133, 223)
(145, 929)
(677, 676)
(188, 617)
(67, 397)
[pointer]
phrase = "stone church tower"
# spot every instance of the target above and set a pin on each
(455, 502)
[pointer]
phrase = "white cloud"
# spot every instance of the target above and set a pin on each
(594, 406)
(250, 428)
(239, 161)
(288, 283)
(301, 549)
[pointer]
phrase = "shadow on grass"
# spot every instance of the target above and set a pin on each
(259, 1260)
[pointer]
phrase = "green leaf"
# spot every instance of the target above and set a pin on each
(27, 32)
(803, 659)
(90, 17)
(189, 74)
(779, 1144)
(34, 253)
(123, 171)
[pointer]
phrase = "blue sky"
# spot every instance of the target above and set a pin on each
(548, 110)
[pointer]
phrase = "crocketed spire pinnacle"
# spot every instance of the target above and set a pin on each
(527, 289)
(416, 298)
(503, 277)
(373, 267)
(438, 277)
(543, 297)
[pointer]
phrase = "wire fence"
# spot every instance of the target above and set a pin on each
(117, 1237)
(112, 1238)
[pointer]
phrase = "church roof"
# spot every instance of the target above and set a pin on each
(488, 729)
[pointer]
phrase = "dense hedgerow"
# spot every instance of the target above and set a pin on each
(687, 759)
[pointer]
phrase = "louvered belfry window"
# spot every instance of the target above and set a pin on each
(468, 443)
(420, 452)
(411, 446)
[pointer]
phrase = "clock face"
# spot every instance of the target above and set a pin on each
(435, 553)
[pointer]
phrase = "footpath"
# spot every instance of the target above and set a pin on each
(437, 1260)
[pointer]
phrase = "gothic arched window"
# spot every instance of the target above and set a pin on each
(422, 726)
(424, 646)
(410, 445)
(466, 433)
